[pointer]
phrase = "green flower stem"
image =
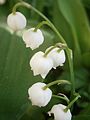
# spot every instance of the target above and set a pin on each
(61, 97)
(24, 4)
(49, 50)
(61, 45)
(58, 45)
(72, 102)
(56, 31)
(70, 60)
(41, 24)
(16, 6)
(56, 82)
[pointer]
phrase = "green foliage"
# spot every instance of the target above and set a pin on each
(74, 26)
(69, 16)
(84, 115)
(86, 3)
(15, 74)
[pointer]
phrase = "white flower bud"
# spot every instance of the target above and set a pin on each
(16, 21)
(33, 39)
(57, 57)
(38, 96)
(2, 2)
(40, 64)
(59, 113)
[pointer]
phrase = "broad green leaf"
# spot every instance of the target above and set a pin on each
(29, 112)
(75, 15)
(66, 30)
(32, 113)
(86, 59)
(62, 25)
(15, 73)
(39, 4)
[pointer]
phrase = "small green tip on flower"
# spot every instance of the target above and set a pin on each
(61, 45)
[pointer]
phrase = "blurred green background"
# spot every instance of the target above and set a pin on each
(72, 19)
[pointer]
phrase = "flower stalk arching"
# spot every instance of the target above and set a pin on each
(48, 51)
(27, 5)
(56, 82)
(70, 61)
(41, 24)
(58, 45)
(58, 34)
(64, 97)
(72, 102)
(61, 45)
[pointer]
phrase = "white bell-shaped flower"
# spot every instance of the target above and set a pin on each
(57, 56)
(16, 21)
(59, 113)
(40, 64)
(2, 2)
(38, 96)
(33, 39)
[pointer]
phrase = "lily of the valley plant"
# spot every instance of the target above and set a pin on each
(41, 63)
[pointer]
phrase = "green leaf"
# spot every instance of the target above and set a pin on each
(15, 73)
(86, 3)
(86, 59)
(32, 113)
(71, 18)
(39, 4)
(62, 25)
(29, 112)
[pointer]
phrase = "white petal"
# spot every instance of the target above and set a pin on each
(40, 64)
(61, 64)
(38, 96)
(59, 114)
(33, 39)
(57, 57)
(16, 21)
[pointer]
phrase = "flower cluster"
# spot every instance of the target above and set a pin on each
(43, 97)
(41, 63)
